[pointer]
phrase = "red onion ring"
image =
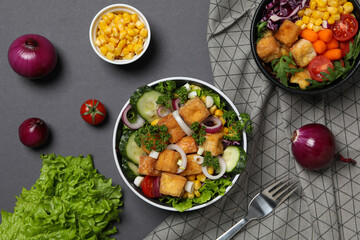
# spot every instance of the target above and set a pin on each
(163, 111)
(183, 156)
(212, 129)
(156, 187)
(222, 165)
(176, 103)
(137, 124)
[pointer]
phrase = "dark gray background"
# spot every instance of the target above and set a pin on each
(178, 48)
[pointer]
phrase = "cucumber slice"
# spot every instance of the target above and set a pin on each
(130, 169)
(128, 147)
(235, 158)
(144, 101)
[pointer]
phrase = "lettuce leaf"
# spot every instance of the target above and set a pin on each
(209, 190)
(70, 200)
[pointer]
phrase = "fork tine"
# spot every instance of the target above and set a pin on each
(273, 185)
(283, 198)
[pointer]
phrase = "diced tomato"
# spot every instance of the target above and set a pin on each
(345, 47)
(147, 186)
(317, 65)
(345, 28)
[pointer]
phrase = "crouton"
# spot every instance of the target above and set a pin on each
(172, 184)
(268, 49)
(192, 166)
(288, 33)
(300, 77)
(167, 161)
(174, 129)
(213, 143)
(147, 166)
(194, 110)
(188, 144)
(303, 52)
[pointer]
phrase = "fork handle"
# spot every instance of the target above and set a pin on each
(234, 229)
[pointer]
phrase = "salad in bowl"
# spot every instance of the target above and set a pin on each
(180, 144)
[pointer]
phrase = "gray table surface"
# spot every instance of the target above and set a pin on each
(178, 48)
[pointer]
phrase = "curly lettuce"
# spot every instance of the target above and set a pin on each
(70, 200)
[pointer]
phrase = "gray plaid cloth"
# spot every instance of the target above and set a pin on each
(328, 204)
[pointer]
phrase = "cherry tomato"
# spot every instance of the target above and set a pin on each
(147, 186)
(345, 28)
(93, 111)
(345, 47)
(317, 65)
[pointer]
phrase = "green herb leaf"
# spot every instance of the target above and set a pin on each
(182, 93)
(166, 87)
(261, 28)
(237, 126)
(153, 137)
(211, 161)
(282, 68)
(164, 100)
(198, 133)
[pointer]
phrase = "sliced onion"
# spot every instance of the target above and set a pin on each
(209, 101)
(200, 151)
(189, 186)
(154, 154)
(163, 111)
(176, 103)
(156, 187)
(222, 165)
(215, 126)
(138, 180)
(192, 94)
(199, 159)
(182, 124)
(325, 24)
(137, 124)
(177, 148)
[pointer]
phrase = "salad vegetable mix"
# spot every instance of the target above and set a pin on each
(186, 146)
(310, 43)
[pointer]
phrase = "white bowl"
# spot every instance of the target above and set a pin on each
(117, 135)
(118, 8)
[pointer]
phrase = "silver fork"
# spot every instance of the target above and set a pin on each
(263, 204)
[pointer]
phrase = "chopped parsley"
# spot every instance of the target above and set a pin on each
(166, 87)
(237, 126)
(153, 137)
(199, 133)
(182, 93)
(164, 100)
(210, 161)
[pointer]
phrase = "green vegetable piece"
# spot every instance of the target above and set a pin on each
(210, 161)
(198, 133)
(282, 68)
(182, 93)
(261, 28)
(70, 200)
(154, 137)
(237, 126)
(166, 87)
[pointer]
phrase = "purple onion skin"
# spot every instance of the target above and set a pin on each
(33, 132)
(313, 146)
(32, 56)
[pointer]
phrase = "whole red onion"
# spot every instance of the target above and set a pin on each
(33, 132)
(32, 56)
(313, 146)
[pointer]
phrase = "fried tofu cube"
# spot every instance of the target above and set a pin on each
(268, 49)
(188, 144)
(192, 166)
(167, 161)
(214, 144)
(194, 110)
(147, 166)
(174, 129)
(300, 78)
(288, 33)
(303, 52)
(172, 184)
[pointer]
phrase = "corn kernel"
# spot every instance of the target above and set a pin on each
(114, 40)
(110, 15)
(222, 120)
(197, 184)
(326, 16)
(110, 47)
(219, 113)
(308, 12)
(348, 7)
(155, 122)
(331, 20)
(310, 26)
(201, 177)
(115, 32)
(210, 170)
(131, 25)
(197, 193)
(318, 22)
(103, 25)
(107, 19)
(120, 26)
(303, 26)
(124, 52)
(131, 32)
(103, 50)
(190, 195)
(191, 177)
(336, 16)
(317, 28)
(342, 2)
(144, 33)
(139, 25)
(110, 56)
(121, 44)
(117, 52)
(312, 4)
(127, 19)
(299, 23)
(341, 9)
(117, 18)
(312, 20)
(321, 3)
(203, 98)
(332, 10)
(98, 42)
(107, 30)
(185, 195)
(129, 56)
(225, 130)
(333, 3)
(134, 17)
(212, 109)
(301, 13)
(306, 19)
(138, 48)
